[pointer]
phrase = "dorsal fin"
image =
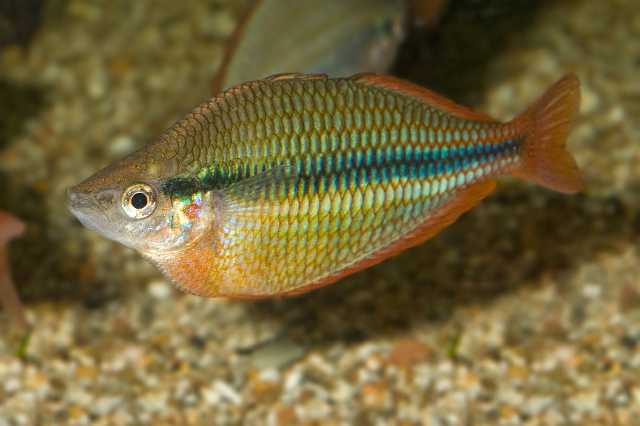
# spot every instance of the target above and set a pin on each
(423, 94)
(296, 76)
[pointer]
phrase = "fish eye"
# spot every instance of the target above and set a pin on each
(139, 201)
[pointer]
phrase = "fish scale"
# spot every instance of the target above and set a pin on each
(282, 185)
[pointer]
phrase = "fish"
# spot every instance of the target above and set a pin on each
(279, 186)
(341, 38)
(10, 228)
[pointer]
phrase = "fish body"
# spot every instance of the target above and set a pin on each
(286, 184)
(340, 38)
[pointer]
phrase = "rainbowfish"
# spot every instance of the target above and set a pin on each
(282, 185)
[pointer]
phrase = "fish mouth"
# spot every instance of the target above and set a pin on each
(77, 201)
(86, 208)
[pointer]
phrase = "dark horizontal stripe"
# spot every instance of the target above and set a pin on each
(354, 168)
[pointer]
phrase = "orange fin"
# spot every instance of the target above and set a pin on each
(425, 95)
(462, 202)
(545, 159)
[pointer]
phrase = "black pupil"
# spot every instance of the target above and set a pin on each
(139, 200)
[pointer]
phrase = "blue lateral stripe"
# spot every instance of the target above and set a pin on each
(347, 169)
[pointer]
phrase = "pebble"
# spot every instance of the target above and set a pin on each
(408, 352)
(122, 145)
(376, 396)
(276, 354)
(160, 290)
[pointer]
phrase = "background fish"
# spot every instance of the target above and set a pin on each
(10, 228)
(285, 184)
(340, 38)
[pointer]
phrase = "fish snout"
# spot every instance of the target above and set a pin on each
(77, 201)
(86, 207)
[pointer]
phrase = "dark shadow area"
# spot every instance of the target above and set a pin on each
(45, 263)
(512, 240)
(19, 20)
(42, 263)
(19, 103)
(452, 58)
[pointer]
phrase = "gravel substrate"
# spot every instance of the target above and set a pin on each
(527, 311)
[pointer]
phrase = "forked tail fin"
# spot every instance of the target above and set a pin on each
(545, 159)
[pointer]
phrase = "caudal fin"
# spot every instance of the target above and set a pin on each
(545, 159)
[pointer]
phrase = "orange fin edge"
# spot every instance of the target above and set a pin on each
(423, 94)
(545, 159)
(462, 202)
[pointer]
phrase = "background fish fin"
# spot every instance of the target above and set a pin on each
(423, 94)
(462, 202)
(231, 47)
(545, 159)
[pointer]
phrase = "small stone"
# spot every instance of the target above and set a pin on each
(586, 402)
(591, 291)
(276, 354)
(97, 86)
(286, 416)
(226, 392)
(159, 289)
(122, 145)
(154, 401)
(536, 405)
(508, 413)
(590, 102)
(11, 385)
(376, 395)
(316, 409)
(629, 298)
(616, 115)
(86, 372)
(517, 373)
(106, 404)
(77, 413)
(408, 352)
(265, 390)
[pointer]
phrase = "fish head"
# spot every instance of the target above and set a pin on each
(128, 202)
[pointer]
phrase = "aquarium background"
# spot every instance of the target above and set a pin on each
(526, 311)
